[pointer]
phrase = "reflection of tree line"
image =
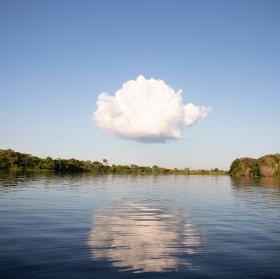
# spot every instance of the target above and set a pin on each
(11, 178)
(143, 238)
(255, 181)
(11, 160)
(261, 192)
(264, 190)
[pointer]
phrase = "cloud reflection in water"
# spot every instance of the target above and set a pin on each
(143, 239)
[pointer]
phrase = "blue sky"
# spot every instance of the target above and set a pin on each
(57, 56)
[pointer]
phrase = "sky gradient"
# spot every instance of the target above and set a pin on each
(56, 57)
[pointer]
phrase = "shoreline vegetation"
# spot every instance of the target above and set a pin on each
(11, 160)
(265, 166)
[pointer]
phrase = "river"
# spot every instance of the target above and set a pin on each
(86, 226)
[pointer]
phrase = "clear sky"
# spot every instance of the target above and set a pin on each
(57, 56)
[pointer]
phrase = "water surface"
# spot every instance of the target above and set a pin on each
(84, 226)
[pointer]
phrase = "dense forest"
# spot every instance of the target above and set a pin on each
(265, 166)
(11, 160)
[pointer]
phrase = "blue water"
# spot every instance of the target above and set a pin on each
(84, 226)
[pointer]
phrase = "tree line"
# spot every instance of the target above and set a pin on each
(11, 160)
(265, 166)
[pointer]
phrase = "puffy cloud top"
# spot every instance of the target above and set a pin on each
(146, 110)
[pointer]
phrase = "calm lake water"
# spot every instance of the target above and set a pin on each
(84, 226)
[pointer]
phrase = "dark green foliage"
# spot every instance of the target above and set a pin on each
(268, 165)
(12, 160)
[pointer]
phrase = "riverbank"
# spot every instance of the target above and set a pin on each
(12, 160)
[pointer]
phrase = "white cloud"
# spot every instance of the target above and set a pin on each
(146, 110)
